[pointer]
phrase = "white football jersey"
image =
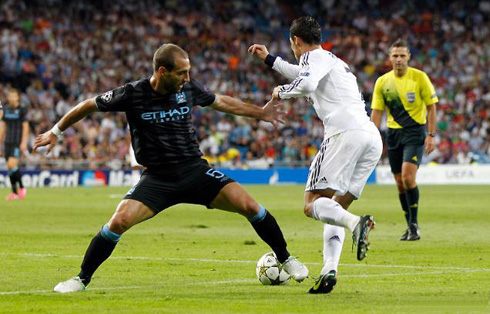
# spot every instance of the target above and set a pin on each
(330, 86)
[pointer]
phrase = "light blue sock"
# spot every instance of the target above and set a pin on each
(260, 216)
(107, 234)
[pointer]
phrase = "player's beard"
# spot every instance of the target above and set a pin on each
(173, 87)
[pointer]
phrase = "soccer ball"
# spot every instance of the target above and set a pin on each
(270, 272)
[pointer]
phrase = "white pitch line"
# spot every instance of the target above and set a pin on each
(116, 195)
(412, 274)
(224, 282)
(239, 261)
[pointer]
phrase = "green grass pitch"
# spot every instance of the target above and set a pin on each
(189, 259)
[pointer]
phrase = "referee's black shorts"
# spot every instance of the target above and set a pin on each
(194, 183)
(405, 145)
(12, 150)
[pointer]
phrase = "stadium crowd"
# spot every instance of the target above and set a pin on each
(58, 52)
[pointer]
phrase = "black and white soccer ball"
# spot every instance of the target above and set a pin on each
(270, 272)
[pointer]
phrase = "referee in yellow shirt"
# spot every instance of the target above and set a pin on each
(409, 99)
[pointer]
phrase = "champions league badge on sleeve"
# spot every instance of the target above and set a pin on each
(180, 97)
(107, 97)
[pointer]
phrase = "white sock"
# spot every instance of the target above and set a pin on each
(329, 211)
(333, 240)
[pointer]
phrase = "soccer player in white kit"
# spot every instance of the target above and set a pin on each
(351, 147)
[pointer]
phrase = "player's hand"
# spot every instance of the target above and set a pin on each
(47, 138)
(272, 112)
(275, 93)
(258, 50)
(430, 144)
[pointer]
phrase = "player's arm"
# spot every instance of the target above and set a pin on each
(429, 96)
(376, 116)
(270, 112)
(78, 112)
(430, 143)
(377, 104)
(314, 69)
(288, 70)
(25, 136)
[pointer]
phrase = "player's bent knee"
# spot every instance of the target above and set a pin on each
(408, 181)
(120, 223)
(249, 208)
(122, 220)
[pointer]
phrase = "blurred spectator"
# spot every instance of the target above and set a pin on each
(57, 60)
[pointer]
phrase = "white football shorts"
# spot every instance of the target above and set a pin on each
(345, 161)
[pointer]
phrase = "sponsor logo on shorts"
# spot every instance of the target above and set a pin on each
(216, 174)
(414, 158)
(323, 180)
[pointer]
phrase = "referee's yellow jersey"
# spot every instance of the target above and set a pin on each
(404, 98)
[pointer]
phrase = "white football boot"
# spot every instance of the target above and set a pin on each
(74, 284)
(295, 269)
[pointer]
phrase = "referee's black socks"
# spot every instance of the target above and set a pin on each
(404, 202)
(98, 251)
(413, 204)
(268, 230)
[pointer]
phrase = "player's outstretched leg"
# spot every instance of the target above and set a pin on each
(97, 252)
(269, 231)
(233, 197)
(129, 213)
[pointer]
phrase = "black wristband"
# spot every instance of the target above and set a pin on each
(269, 60)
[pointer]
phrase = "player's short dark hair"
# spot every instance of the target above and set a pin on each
(399, 43)
(165, 56)
(308, 29)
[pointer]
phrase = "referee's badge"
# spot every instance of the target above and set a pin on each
(180, 97)
(411, 96)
